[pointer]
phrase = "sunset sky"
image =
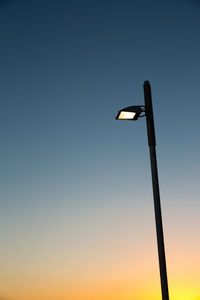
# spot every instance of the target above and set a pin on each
(76, 213)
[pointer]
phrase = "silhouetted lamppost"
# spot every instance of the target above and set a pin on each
(133, 113)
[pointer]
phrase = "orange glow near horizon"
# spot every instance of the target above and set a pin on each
(116, 259)
(104, 268)
(94, 291)
(123, 284)
(99, 265)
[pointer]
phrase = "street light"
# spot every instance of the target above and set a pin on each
(133, 113)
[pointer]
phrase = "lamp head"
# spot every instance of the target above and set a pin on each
(130, 113)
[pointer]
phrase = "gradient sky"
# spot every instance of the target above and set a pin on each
(76, 217)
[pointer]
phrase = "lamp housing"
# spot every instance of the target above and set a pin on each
(130, 113)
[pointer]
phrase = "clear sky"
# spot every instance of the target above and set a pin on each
(76, 217)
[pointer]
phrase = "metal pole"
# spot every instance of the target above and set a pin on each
(156, 194)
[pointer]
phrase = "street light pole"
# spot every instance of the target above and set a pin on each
(156, 193)
(133, 113)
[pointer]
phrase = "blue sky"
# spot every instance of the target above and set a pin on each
(67, 67)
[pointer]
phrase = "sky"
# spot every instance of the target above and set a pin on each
(77, 217)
